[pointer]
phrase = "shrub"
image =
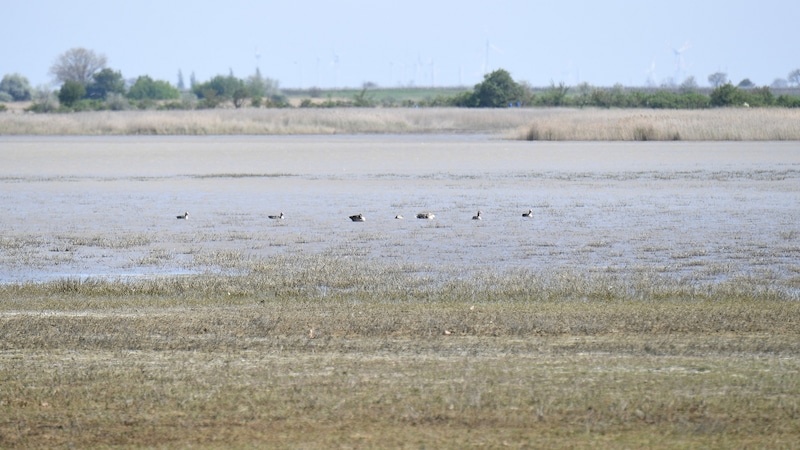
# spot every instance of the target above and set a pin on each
(71, 92)
(727, 95)
(147, 88)
(15, 87)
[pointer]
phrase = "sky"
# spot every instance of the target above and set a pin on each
(346, 43)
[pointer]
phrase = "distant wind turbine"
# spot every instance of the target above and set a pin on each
(680, 65)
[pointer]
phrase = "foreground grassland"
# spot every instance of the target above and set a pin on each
(727, 124)
(330, 353)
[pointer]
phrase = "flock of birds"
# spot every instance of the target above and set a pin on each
(360, 217)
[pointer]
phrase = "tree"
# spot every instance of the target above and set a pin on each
(71, 91)
(779, 83)
(181, 86)
(147, 88)
(717, 79)
(794, 77)
(77, 64)
(727, 95)
(497, 90)
(222, 87)
(16, 86)
(105, 82)
(688, 85)
(746, 84)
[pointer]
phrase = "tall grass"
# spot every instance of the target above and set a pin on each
(532, 124)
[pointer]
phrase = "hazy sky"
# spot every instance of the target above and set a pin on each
(443, 43)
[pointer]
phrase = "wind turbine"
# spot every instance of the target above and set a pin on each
(651, 74)
(489, 46)
(680, 65)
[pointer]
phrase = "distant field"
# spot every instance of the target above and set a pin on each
(556, 124)
(381, 96)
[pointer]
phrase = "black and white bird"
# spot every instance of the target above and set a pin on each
(184, 215)
(358, 218)
(528, 214)
(276, 217)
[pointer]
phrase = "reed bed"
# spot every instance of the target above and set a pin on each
(726, 124)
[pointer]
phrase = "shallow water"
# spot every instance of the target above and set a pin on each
(107, 206)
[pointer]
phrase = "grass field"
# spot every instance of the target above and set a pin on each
(728, 124)
(388, 358)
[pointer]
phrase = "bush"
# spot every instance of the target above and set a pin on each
(16, 87)
(727, 95)
(71, 92)
(146, 88)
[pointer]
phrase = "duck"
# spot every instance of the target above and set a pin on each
(398, 217)
(425, 215)
(528, 214)
(477, 216)
(184, 215)
(358, 218)
(276, 217)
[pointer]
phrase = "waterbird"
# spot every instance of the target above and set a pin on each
(184, 215)
(398, 216)
(276, 217)
(425, 215)
(528, 214)
(358, 218)
(477, 216)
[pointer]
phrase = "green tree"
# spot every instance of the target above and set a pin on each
(71, 91)
(497, 90)
(181, 86)
(555, 95)
(220, 89)
(16, 86)
(77, 64)
(105, 82)
(727, 95)
(145, 88)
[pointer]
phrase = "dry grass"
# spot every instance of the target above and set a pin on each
(396, 358)
(743, 124)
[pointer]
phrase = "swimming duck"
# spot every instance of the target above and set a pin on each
(477, 216)
(358, 218)
(398, 216)
(425, 215)
(276, 217)
(184, 215)
(528, 214)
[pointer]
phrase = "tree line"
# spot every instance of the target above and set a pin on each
(88, 84)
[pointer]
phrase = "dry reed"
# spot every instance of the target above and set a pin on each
(745, 124)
